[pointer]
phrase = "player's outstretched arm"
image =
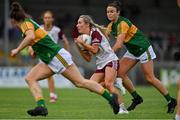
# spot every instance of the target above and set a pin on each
(25, 42)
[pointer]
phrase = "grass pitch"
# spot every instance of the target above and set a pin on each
(82, 104)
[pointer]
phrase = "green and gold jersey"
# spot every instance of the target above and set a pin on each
(135, 42)
(43, 45)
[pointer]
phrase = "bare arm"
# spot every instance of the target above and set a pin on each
(66, 43)
(119, 42)
(92, 48)
(84, 53)
(25, 42)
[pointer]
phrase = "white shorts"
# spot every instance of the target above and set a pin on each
(145, 57)
(61, 61)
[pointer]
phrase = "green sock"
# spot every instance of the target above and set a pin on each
(167, 97)
(106, 95)
(41, 102)
(134, 94)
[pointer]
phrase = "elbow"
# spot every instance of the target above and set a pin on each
(94, 51)
(119, 46)
(32, 37)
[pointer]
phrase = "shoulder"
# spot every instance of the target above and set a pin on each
(96, 35)
(42, 26)
(26, 25)
(56, 28)
(95, 32)
(109, 25)
(125, 20)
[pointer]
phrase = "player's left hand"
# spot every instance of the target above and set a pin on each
(14, 52)
(79, 40)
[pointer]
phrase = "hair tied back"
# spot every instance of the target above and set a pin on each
(16, 6)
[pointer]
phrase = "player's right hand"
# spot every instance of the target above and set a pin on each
(14, 52)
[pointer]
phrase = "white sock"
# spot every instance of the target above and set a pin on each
(118, 84)
(53, 95)
(177, 117)
(122, 105)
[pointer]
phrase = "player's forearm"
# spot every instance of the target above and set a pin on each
(117, 46)
(26, 42)
(119, 42)
(90, 48)
(86, 56)
(66, 45)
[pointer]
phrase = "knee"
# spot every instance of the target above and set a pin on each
(122, 74)
(29, 79)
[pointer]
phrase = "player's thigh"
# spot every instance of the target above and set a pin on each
(97, 77)
(39, 72)
(148, 68)
(125, 64)
(110, 75)
(72, 73)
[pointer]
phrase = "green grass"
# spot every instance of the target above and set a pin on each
(81, 104)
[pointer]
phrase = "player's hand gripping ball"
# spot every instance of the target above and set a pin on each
(86, 39)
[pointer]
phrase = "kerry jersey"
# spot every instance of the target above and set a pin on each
(43, 45)
(135, 42)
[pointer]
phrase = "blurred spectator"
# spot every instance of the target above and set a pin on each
(152, 37)
(14, 33)
(156, 39)
(159, 43)
(172, 39)
(172, 44)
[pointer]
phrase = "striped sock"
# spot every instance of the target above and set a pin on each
(41, 102)
(106, 95)
(168, 97)
(134, 94)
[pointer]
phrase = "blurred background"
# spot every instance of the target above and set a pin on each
(158, 19)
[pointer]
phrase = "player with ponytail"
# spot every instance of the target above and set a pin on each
(138, 49)
(54, 59)
(106, 60)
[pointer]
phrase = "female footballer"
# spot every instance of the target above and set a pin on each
(57, 34)
(138, 49)
(54, 60)
(106, 60)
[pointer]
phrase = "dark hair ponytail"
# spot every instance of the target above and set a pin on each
(17, 12)
(116, 4)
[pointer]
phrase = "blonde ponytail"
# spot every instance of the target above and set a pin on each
(88, 19)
